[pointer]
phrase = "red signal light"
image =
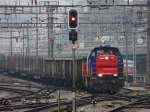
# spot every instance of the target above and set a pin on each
(72, 19)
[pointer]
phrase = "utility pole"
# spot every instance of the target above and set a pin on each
(37, 31)
(50, 31)
(74, 77)
(23, 37)
(126, 46)
(28, 41)
(128, 2)
(23, 41)
(58, 100)
(134, 57)
(11, 43)
(48, 27)
(148, 47)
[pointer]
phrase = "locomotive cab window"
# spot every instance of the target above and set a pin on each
(100, 52)
(93, 54)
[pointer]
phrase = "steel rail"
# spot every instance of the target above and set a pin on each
(143, 98)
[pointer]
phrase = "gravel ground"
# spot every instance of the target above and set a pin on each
(6, 94)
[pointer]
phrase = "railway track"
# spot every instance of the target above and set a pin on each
(141, 102)
(26, 98)
(26, 101)
(81, 101)
(19, 86)
(125, 95)
(15, 90)
(67, 105)
(134, 101)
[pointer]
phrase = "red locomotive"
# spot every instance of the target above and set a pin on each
(103, 70)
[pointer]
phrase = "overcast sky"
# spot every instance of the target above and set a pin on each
(26, 2)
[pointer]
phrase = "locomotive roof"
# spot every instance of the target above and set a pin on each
(106, 48)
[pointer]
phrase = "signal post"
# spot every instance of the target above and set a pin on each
(72, 27)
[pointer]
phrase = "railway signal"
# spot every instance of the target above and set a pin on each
(73, 24)
(72, 19)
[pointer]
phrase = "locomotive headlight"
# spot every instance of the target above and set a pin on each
(115, 75)
(106, 58)
(100, 75)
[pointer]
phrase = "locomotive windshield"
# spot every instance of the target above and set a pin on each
(106, 52)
